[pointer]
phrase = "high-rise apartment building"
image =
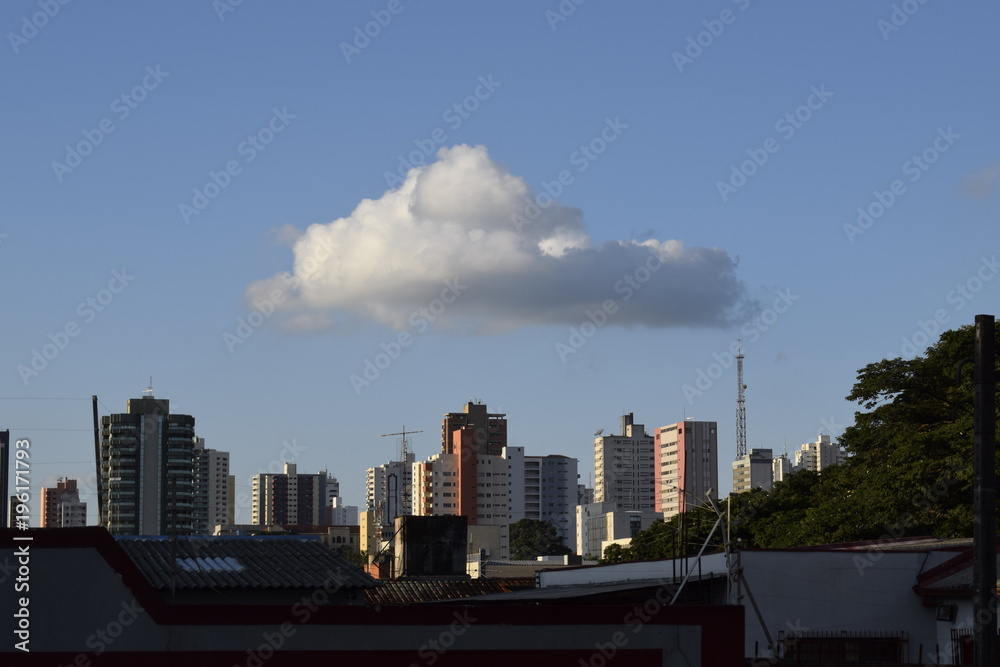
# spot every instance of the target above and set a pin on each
(146, 473)
(290, 498)
(754, 470)
(818, 455)
(211, 489)
(488, 430)
(61, 506)
(389, 490)
(625, 468)
(466, 479)
(689, 467)
(781, 468)
(544, 488)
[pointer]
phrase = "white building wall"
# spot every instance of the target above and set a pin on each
(810, 591)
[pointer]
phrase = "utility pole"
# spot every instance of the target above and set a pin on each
(984, 564)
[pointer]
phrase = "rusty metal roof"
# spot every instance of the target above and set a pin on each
(410, 591)
(241, 562)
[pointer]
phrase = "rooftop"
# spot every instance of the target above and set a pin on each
(241, 562)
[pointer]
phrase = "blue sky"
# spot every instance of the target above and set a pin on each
(729, 145)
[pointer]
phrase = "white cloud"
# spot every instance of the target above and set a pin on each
(454, 220)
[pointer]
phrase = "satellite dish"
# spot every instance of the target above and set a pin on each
(599, 431)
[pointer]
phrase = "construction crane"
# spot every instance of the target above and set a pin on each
(741, 407)
(404, 505)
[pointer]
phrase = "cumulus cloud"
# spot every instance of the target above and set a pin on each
(982, 184)
(464, 245)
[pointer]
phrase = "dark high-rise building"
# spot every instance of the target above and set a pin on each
(487, 431)
(4, 475)
(147, 469)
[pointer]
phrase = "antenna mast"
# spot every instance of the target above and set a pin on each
(405, 506)
(741, 407)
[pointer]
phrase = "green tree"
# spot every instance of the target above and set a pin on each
(909, 465)
(908, 471)
(530, 538)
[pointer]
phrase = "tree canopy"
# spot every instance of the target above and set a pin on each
(530, 538)
(908, 469)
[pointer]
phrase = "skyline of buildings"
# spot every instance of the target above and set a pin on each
(152, 458)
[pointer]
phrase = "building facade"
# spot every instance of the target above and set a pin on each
(754, 470)
(781, 468)
(146, 474)
(467, 484)
(544, 488)
(818, 455)
(211, 489)
(61, 506)
(290, 498)
(389, 490)
(688, 465)
(600, 524)
(488, 430)
(625, 468)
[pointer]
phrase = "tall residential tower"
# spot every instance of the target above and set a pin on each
(146, 471)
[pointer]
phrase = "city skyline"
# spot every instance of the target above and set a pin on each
(313, 224)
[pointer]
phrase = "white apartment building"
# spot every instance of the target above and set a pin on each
(210, 498)
(544, 488)
(818, 455)
(442, 485)
(781, 468)
(389, 489)
(625, 468)
(600, 524)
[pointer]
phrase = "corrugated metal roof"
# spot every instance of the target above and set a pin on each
(222, 562)
(953, 574)
(410, 591)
